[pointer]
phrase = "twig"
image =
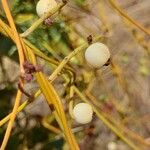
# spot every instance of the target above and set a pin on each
(105, 121)
(123, 13)
(15, 33)
(40, 20)
(25, 92)
(11, 122)
(67, 58)
(21, 59)
(7, 32)
(53, 98)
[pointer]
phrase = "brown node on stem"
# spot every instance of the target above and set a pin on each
(108, 107)
(29, 70)
(90, 130)
(27, 77)
(48, 21)
(90, 39)
(51, 106)
(64, 1)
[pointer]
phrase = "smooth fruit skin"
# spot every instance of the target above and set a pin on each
(83, 113)
(97, 55)
(43, 6)
(112, 146)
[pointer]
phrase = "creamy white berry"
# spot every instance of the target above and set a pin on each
(83, 113)
(112, 146)
(43, 6)
(97, 55)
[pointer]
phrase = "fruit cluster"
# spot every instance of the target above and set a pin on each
(96, 55)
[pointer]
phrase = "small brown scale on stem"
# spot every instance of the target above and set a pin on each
(48, 21)
(51, 106)
(108, 107)
(64, 1)
(30, 68)
(90, 130)
(90, 39)
(28, 76)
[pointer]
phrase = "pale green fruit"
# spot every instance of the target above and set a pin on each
(43, 6)
(97, 55)
(83, 113)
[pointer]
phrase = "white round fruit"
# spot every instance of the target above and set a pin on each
(43, 6)
(83, 113)
(97, 55)
(112, 146)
